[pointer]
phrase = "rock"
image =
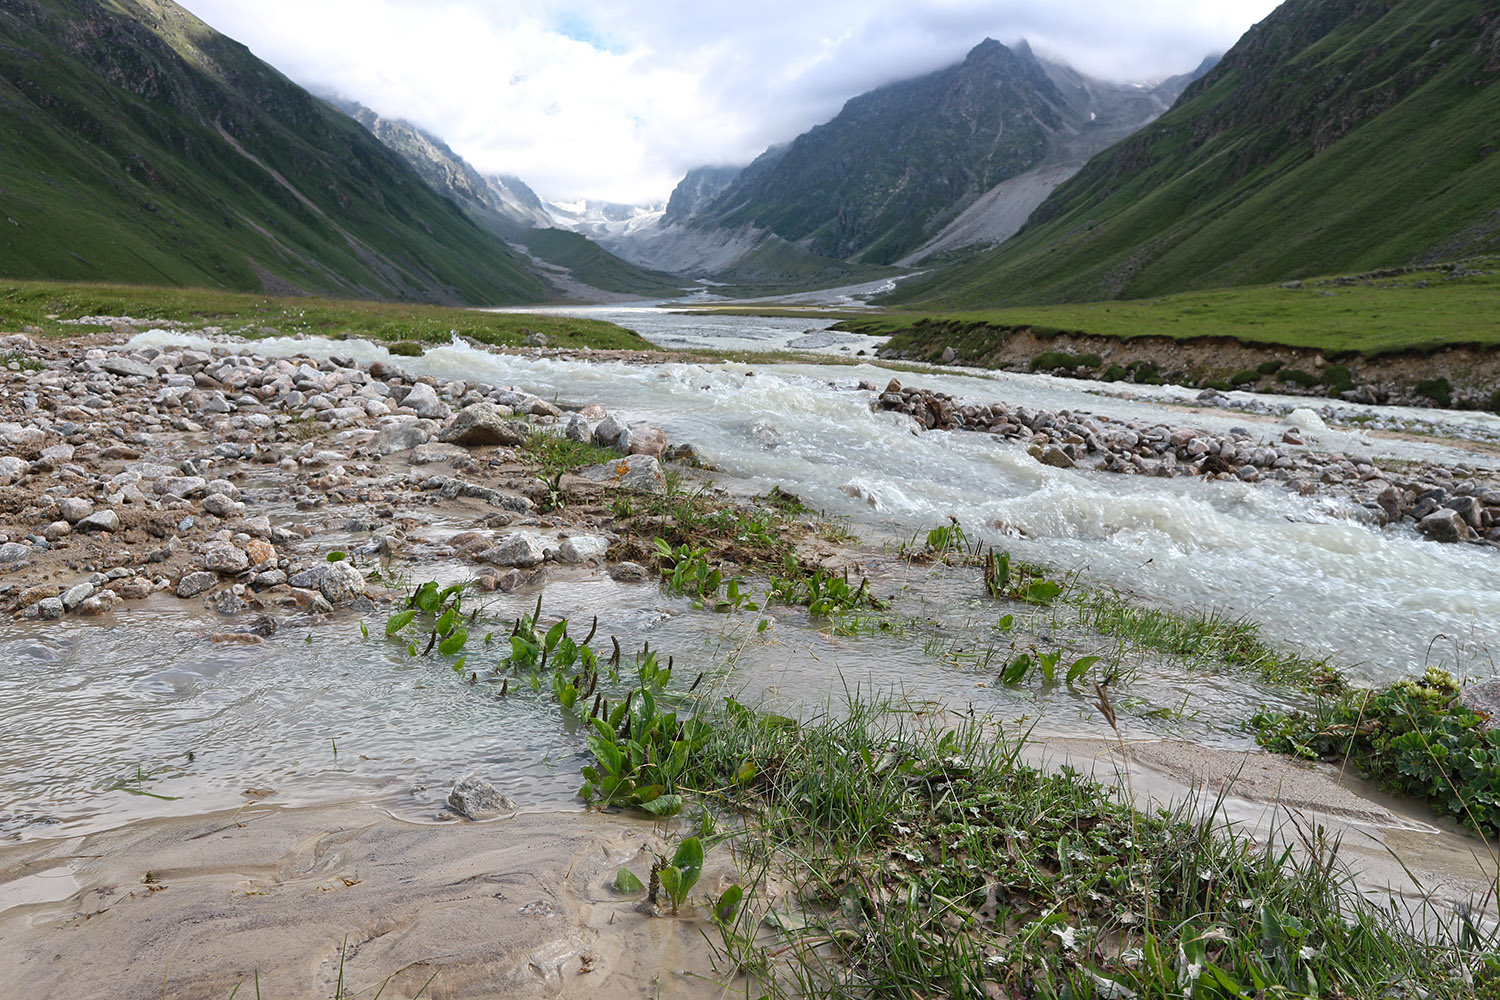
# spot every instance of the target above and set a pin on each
(219, 505)
(400, 437)
(77, 594)
(193, 584)
(593, 413)
(101, 603)
(225, 602)
(310, 578)
(181, 486)
(636, 472)
(483, 424)
(534, 339)
(104, 520)
(125, 367)
(1444, 525)
(1248, 473)
(11, 468)
(12, 553)
(607, 432)
(134, 589)
(260, 552)
(1055, 457)
(223, 557)
(50, 608)
(628, 572)
(428, 454)
(949, 355)
(520, 549)
(341, 583)
(269, 579)
(476, 798)
(32, 595)
(577, 429)
(644, 440)
(582, 548)
(74, 509)
(423, 399)
(1483, 697)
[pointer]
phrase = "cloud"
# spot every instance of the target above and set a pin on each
(616, 99)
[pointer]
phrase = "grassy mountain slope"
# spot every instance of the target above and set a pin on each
(142, 146)
(591, 264)
(1338, 135)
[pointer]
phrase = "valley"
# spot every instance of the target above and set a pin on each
(1021, 535)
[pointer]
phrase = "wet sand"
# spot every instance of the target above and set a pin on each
(189, 908)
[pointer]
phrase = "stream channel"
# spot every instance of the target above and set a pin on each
(141, 717)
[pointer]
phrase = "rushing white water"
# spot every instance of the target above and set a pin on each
(102, 717)
(1380, 601)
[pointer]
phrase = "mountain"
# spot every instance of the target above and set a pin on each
(696, 190)
(1336, 136)
(506, 207)
(898, 164)
(502, 204)
(142, 146)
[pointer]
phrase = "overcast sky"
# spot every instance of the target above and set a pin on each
(616, 99)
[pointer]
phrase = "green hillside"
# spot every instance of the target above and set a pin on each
(141, 146)
(593, 265)
(1337, 135)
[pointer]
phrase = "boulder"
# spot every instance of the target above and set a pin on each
(400, 437)
(475, 798)
(520, 549)
(644, 439)
(11, 468)
(74, 509)
(424, 400)
(577, 429)
(49, 609)
(483, 424)
(628, 572)
(14, 552)
(607, 432)
(432, 452)
(219, 505)
(1444, 525)
(77, 594)
(103, 520)
(193, 584)
(101, 603)
(341, 583)
(223, 557)
(635, 472)
(582, 548)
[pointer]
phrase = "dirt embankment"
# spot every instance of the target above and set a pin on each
(1461, 376)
